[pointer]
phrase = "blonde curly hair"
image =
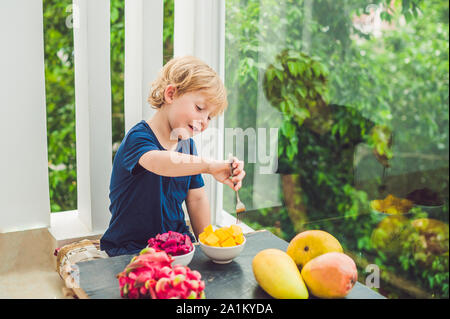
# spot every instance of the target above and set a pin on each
(189, 74)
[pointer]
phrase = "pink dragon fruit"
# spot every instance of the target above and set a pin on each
(181, 283)
(173, 243)
(150, 275)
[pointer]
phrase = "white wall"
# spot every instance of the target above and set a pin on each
(143, 56)
(93, 112)
(24, 192)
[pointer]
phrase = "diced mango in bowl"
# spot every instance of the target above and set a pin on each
(222, 237)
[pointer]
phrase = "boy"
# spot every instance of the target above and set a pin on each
(156, 167)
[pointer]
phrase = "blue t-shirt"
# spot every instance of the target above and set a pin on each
(144, 204)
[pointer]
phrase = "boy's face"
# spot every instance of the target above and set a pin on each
(188, 114)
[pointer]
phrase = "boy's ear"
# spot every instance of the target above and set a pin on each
(169, 93)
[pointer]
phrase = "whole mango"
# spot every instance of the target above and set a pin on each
(310, 244)
(278, 275)
(331, 275)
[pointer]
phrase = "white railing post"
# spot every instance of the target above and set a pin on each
(143, 56)
(24, 192)
(93, 111)
(199, 30)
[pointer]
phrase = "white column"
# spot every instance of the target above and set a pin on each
(143, 56)
(266, 184)
(24, 192)
(93, 111)
(199, 30)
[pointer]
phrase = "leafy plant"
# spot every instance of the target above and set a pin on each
(60, 98)
(376, 88)
(296, 85)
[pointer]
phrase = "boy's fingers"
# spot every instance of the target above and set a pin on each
(237, 174)
(237, 163)
(229, 183)
(239, 177)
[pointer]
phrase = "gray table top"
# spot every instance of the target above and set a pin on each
(230, 281)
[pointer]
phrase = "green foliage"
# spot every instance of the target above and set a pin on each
(381, 139)
(117, 71)
(381, 91)
(296, 85)
(168, 30)
(60, 96)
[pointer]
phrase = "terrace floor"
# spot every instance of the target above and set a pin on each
(27, 267)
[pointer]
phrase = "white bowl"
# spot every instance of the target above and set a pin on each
(184, 259)
(222, 255)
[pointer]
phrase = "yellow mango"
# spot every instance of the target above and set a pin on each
(236, 230)
(331, 275)
(239, 239)
(228, 243)
(309, 244)
(222, 234)
(228, 230)
(231, 236)
(208, 229)
(276, 273)
(202, 237)
(212, 239)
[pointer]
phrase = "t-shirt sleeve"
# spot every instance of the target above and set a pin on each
(196, 180)
(136, 145)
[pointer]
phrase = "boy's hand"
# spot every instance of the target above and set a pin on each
(221, 171)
